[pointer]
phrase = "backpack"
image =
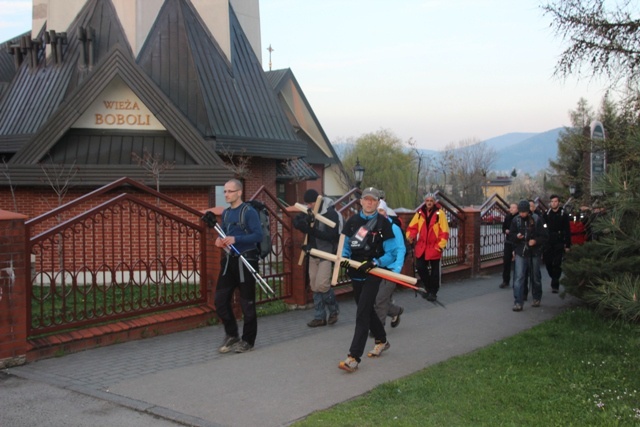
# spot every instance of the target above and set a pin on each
(264, 247)
(397, 221)
(331, 205)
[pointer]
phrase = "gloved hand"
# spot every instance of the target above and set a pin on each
(310, 216)
(209, 219)
(366, 266)
(345, 263)
(300, 223)
(306, 248)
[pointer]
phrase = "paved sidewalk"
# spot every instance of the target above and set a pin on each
(181, 379)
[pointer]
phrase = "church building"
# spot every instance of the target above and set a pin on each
(171, 93)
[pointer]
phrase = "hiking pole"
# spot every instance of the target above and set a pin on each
(210, 219)
(263, 283)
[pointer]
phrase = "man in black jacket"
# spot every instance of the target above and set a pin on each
(507, 255)
(324, 238)
(558, 226)
(528, 235)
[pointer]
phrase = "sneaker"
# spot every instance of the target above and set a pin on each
(431, 297)
(378, 349)
(317, 322)
(349, 364)
(242, 347)
(227, 344)
(554, 291)
(333, 318)
(535, 303)
(504, 285)
(517, 307)
(395, 320)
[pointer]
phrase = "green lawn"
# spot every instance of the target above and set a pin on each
(574, 370)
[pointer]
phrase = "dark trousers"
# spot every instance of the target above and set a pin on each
(429, 271)
(364, 293)
(553, 255)
(507, 258)
(227, 283)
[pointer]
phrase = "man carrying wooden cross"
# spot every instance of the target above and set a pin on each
(320, 236)
(370, 241)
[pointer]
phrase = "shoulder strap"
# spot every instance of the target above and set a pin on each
(243, 211)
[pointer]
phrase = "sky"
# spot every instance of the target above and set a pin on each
(431, 71)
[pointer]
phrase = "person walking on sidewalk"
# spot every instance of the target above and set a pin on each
(369, 240)
(559, 229)
(234, 274)
(528, 235)
(322, 237)
(430, 230)
(384, 305)
(507, 255)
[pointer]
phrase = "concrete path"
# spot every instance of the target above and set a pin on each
(181, 379)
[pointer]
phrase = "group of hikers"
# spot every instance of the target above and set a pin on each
(372, 252)
(533, 236)
(371, 247)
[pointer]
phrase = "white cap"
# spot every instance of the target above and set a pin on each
(388, 210)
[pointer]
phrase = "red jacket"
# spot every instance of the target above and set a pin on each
(431, 239)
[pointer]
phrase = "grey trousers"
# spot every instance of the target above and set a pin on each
(384, 304)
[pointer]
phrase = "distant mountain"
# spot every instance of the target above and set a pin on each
(530, 155)
(509, 139)
(528, 152)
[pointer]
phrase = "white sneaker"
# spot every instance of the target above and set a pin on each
(350, 364)
(378, 349)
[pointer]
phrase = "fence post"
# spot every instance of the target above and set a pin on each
(13, 289)
(213, 258)
(472, 239)
(299, 292)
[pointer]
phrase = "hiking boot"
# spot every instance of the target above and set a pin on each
(227, 344)
(242, 347)
(395, 320)
(431, 297)
(349, 364)
(317, 322)
(535, 303)
(379, 348)
(554, 291)
(517, 307)
(504, 285)
(333, 318)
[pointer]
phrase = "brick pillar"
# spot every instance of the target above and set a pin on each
(472, 239)
(13, 288)
(299, 293)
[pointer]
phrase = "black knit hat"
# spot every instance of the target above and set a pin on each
(523, 206)
(310, 196)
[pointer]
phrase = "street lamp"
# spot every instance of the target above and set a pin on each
(572, 189)
(358, 173)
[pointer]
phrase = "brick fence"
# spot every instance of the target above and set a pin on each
(17, 348)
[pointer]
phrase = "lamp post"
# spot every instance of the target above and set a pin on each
(358, 174)
(572, 189)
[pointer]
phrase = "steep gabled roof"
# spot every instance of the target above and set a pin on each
(302, 117)
(36, 93)
(230, 102)
(117, 63)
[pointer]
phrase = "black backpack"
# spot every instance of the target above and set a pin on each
(264, 247)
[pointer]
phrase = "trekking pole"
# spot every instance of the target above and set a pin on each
(210, 219)
(263, 283)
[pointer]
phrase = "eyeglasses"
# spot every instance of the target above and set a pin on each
(230, 191)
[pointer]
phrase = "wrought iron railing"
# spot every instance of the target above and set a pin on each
(276, 268)
(492, 214)
(122, 258)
